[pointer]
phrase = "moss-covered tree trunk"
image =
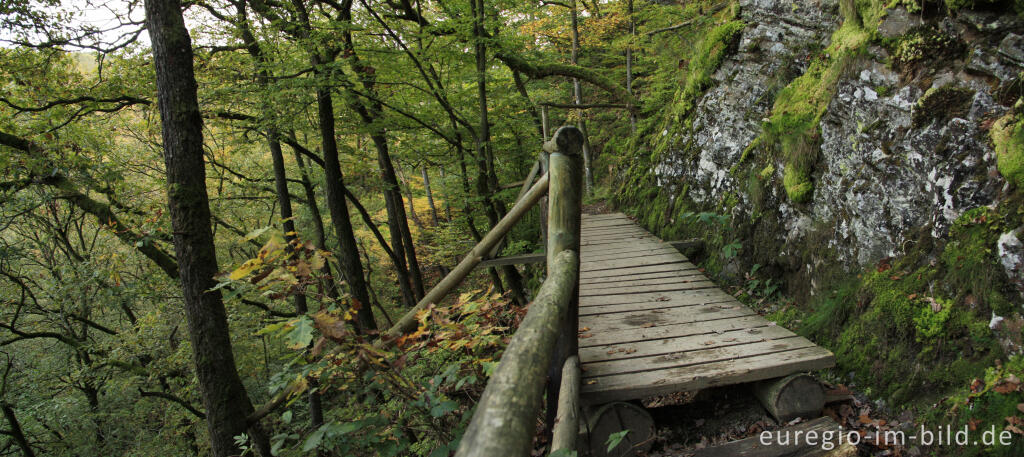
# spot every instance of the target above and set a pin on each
(224, 397)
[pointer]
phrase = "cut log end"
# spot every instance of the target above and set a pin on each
(786, 398)
(605, 420)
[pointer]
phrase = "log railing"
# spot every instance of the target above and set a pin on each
(541, 356)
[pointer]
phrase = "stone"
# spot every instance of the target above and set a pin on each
(1011, 256)
(1012, 48)
(898, 22)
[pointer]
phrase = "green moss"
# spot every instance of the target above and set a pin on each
(706, 59)
(797, 183)
(793, 125)
(942, 104)
(1008, 138)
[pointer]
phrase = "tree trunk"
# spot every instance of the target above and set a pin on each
(430, 195)
(351, 264)
(577, 92)
(629, 65)
(487, 181)
(16, 432)
(224, 398)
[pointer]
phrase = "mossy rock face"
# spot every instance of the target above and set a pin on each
(1008, 139)
(942, 104)
(924, 45)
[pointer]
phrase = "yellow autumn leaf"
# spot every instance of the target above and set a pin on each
(248, 267)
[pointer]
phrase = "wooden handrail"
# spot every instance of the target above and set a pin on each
(506, 417)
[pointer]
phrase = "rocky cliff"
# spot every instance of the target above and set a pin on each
(870, 157)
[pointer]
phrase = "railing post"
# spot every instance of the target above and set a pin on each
(565, 194)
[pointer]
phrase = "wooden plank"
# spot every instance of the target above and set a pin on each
(631, 245)
(613, 239)
(653, 318)
(613, 229)
(754, 447)
(679, 345)
(617, 264)
(726, 372)
(514, 260)
(699, 283)
(641, 252)
(708, 297)
(610, 222)
(678, 278)
(587, 276)
(655, 275)
(633, 335)
(696, 356)
(649, 297)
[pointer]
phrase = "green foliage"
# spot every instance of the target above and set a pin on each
(615, 439)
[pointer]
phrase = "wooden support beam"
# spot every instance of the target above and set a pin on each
(567, 421)
(506, 417)
(514, 260)
(790, 397)
(565, 167)
(408, 322)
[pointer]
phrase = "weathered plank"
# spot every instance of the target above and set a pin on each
(639, 251)
(649, 260)
(681, 278)
(687, 358)
(591, 282)
(648, 297)
(679, 345)
(713, 296)
(591, 275)
(694, 377)
(656, 317)
(662, 332)
(699, 283)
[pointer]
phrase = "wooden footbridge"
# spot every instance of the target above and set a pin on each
(622, 316)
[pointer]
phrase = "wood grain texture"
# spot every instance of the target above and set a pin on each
(651, 323)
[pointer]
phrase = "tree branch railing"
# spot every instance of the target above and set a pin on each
(545, 345)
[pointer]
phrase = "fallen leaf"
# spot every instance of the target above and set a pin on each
(648, 325)
(584, 329)
(587, 335)
(630, 350)
(911, 296)
(729, 340)
(1020, 407)
(591, 381)
(709, 343)
(611, 352)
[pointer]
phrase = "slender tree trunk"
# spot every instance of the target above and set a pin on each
(629, 64)
(430, 195)
(487, 181)
(407, 188)
(224, 397)
(351, 264)
(577, 92)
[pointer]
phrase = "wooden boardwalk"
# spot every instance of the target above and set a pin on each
(651, 323)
